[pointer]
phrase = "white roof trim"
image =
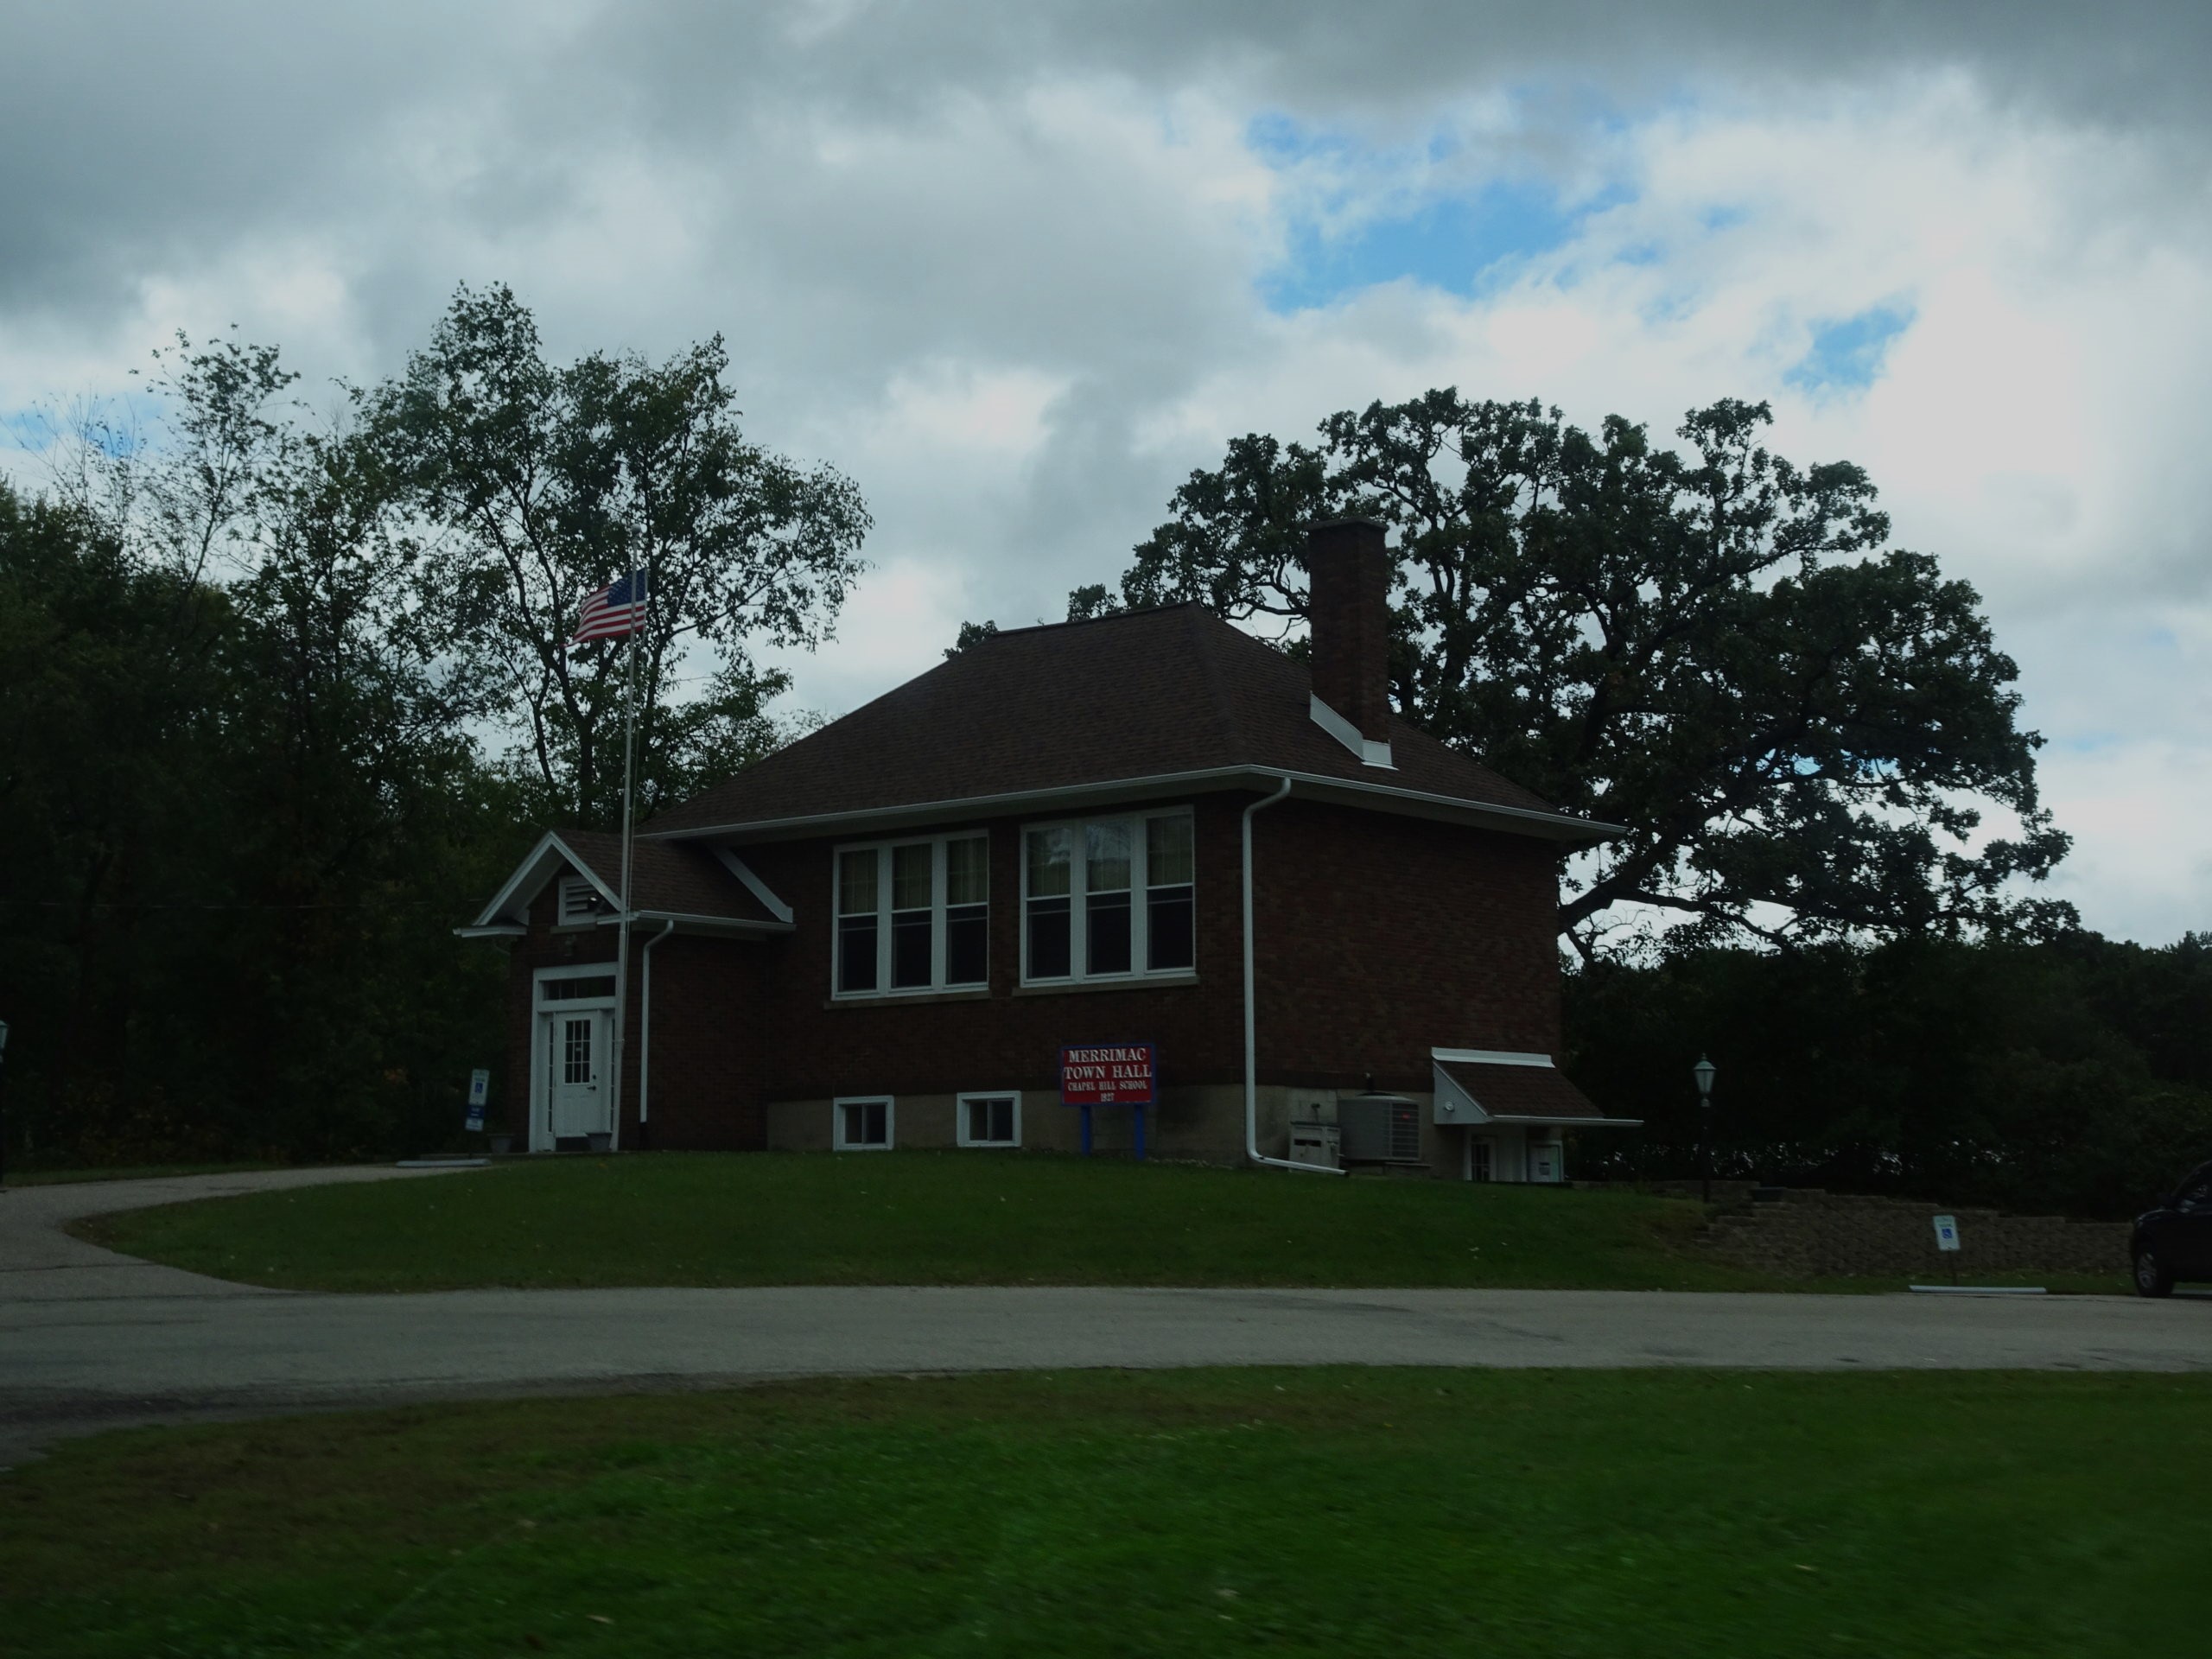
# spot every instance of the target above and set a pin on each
(1369, 751)
(495, 931)
(685, 919)
(1490, 1057)
(754, 885)
(1569, 1122)
(513, 902)
(1359, 792)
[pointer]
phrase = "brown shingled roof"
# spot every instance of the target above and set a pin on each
(1522, 1092)
(1142, 694)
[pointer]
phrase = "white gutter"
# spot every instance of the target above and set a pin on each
(646, 1034)
(1251, 1015)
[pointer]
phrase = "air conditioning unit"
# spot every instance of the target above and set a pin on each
(1380, 1129)
(1316, 1143)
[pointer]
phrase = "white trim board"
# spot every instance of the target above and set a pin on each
(511, 903)
(754, 885)
(1120, 792)
(1369, 751)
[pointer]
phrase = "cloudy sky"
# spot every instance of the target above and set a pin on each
(1018, 268)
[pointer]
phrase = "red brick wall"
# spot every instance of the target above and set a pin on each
(1380, 938)
(1377, 938)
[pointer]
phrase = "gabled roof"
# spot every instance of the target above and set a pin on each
(669, 881)
(1478, 1086)
(1161, 702)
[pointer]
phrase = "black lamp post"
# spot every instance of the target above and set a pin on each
(1704, 1072)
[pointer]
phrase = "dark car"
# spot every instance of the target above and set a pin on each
(2174, 1240)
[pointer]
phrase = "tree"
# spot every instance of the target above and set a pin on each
(535, 485)
(1797, 726)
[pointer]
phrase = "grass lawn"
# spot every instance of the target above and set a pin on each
(1285, 1512)
(927, 1218)
(918, 1218)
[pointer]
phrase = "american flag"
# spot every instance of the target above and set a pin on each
(615, 610)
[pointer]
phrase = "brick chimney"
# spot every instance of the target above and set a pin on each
(1348, 606)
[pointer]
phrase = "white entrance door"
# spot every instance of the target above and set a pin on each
(1543, 1160)
(579, 1100)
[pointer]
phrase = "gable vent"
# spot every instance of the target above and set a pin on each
(579, 900)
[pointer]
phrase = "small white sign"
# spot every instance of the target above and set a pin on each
(479, 1083)
(1947, 1232)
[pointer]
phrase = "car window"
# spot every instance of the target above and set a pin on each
(2196, 1191)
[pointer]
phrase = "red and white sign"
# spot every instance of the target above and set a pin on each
(1109, 1074)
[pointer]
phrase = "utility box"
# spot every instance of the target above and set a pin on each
(1317, 1143)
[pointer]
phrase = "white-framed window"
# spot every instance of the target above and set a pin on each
(1478, 1166)
(863, 1122)
(588, 984)
(1109, 898)
(912, 916)
(579, 900)
(988, 1118)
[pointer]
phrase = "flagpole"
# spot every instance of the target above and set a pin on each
(622, 943)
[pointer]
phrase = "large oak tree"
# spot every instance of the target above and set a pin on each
(1799, 727)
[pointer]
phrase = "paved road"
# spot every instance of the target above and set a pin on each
(88, 1339)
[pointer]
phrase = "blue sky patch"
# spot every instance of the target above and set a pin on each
(1405, 212)
(1847, 356)
(1449, 243)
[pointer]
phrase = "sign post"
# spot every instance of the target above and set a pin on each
(1947, 1240)
(479, 1085)
(1111, 1074)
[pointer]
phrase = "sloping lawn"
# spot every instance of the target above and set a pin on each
(923, 1218)
(1284, 1512)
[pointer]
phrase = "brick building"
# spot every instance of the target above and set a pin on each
(1145, 829)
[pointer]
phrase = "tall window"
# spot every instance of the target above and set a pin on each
(1170, 943)
(857, 919)
(1109, 898)
(913, 915)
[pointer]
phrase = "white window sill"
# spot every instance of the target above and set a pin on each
(894, 999)
(1128, 982)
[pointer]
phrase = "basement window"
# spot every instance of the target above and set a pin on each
(862, 1125)
(912, 916)
(989, 1119)
(1108, 899)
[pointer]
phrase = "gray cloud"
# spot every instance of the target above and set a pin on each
(934, 203)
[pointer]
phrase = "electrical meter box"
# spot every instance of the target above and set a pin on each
(1317, 1143)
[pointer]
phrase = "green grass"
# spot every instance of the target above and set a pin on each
(920, 1218)
(1285, 1512)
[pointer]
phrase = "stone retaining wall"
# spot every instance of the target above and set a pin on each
(1811, 1233)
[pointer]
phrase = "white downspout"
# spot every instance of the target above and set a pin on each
(646, 1033)
(1251, 1015)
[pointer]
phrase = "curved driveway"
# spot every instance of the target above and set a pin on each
(89, 1339)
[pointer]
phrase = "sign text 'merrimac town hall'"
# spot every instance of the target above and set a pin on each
(1107, 1075)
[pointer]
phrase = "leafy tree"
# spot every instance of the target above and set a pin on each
(972, 634)
(2073, 1075)
(1797, 725)
(535, 484)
